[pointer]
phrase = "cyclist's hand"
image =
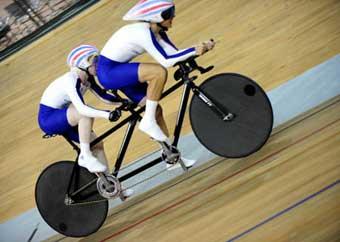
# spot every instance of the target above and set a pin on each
(205, 47)
(210, 44)
(201, 49)
(127, 104)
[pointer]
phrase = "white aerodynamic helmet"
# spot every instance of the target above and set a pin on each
(155, 11)
(80, 56)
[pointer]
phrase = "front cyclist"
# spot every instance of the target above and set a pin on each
(143, 83)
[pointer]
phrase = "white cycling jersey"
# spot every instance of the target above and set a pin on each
(69, 89)
(135, 39)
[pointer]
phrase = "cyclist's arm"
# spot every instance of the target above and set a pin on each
(73, 91)
(102, 94)
(166, 59)
(167, 44)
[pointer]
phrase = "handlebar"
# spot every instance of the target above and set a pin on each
(188, 66)
(126, 105)
(183, 71)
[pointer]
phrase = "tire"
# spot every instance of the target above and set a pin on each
(76, 220)
(252, 125)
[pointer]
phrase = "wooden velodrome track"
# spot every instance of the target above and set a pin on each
(270, 41)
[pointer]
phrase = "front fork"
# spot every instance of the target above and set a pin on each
(213, 105)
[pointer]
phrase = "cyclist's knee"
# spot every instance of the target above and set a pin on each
(150, 72)
(87, 118)
(161, 73)
(74, 117)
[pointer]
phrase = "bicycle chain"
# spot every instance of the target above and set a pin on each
(133, 185)
(147, 179)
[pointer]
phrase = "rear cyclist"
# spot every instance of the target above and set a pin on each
(143, 83)
(63, 111)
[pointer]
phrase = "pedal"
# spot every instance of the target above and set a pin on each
(125, 194)
(170, 154)
(108, 186)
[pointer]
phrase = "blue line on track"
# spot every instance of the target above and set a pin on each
(284, 211)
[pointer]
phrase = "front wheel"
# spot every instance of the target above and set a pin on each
(76, 220)
(251, 125)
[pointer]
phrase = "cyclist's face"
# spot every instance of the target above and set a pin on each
(167, 23)
(92, 69)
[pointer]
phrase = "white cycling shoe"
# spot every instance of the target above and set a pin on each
(152, 129)
(187, 162)
(91, 163)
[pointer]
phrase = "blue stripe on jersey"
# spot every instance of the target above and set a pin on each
(78, 85)
(166, 39)
(162, 51)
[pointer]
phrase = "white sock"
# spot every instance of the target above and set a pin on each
(150, 110)
(149, 124)
(85, 149)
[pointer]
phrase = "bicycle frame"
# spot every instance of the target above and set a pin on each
(132, 119)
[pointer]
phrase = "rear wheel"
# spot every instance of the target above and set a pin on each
(75, 220)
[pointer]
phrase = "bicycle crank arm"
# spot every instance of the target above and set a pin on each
(108, 186)
(170, 153)
(106, 183)
(165, 147)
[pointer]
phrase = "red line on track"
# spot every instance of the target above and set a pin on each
(213, 185)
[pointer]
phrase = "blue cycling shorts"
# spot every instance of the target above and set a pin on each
(54, 121)
(114, 75)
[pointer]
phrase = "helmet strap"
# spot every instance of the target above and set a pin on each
(85, 70)
(162, 27)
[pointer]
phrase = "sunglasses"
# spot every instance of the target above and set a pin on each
(169, 13)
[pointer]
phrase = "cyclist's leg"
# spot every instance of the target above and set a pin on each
(137, 94)
(99, 152)
(86, 158)
(161, 121)
(159, 75)
(84, 124)
(54, 121)
(125, 76)
(156, 76)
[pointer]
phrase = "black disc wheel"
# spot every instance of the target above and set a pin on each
(248, 131)
(82, 218)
